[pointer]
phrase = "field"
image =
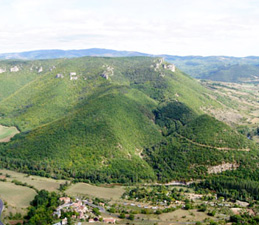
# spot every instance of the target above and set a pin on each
(184, 215)
(241, 106)
(80, 189)
(36, 181)
(6, 133)
(16, 196)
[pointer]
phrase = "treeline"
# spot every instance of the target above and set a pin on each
(231, 188)
(42, 208)
(130, 173)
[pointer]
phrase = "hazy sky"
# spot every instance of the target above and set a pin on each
(177, 27)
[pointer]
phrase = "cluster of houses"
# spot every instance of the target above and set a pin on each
(80, 212)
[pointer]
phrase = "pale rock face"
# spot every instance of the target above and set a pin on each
(222, 167)
(73, 76)
(52, 68)
(158, 63)
(40, 69)
(109, 71)
(170, 67)
(14, 69)
(2, 70)
(106, 76)
(59, 75)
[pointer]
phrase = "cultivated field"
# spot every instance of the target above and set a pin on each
(37, 182)
(79, 189)
(16, 196)
(6, 133)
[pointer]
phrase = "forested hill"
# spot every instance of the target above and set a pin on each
(112, 120)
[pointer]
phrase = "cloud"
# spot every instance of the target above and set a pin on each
(167, 26)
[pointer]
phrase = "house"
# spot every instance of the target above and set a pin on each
(64, 221)
(101, 204)
(57, 213)
(77, 204)
(65, 200)
(82, 208)
(109, 220)
(81, 215)
(72, 74)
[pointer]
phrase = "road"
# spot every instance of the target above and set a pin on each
(1, 210)
(95, 206)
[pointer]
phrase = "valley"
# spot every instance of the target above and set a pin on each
(115, 131)
(138, 204)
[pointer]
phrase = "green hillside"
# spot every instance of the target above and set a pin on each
(110, 120)
(235, 73)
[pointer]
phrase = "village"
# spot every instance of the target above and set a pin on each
(82, 210)
(138, 205)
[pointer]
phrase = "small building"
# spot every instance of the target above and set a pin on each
(64, 221)
(77, 204)
(57, 213)
(91, 221)
(65, 200)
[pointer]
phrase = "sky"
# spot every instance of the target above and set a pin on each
(175, 27)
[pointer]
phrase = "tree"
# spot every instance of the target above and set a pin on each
(131, 217)
(122, 216)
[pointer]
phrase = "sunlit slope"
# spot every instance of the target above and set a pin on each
(108, 120)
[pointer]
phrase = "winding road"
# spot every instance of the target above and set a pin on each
(1, 210)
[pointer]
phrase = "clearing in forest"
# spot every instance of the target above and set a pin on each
(6, 133)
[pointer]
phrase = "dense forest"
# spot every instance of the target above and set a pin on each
(123, 120)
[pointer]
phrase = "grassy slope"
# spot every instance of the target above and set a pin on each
(6, 133)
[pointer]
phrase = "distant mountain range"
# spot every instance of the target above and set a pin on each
(57, 53)
(218, 68)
